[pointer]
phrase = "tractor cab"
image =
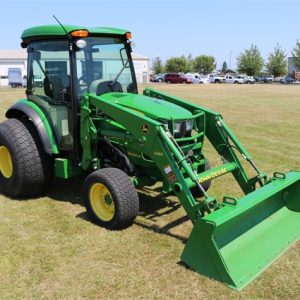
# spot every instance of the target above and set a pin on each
(66, 62)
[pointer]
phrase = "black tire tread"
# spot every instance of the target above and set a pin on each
(33, 168)
(124, 195)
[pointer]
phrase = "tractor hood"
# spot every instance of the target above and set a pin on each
(151, 107)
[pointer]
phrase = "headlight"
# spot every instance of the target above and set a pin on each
(189, 125)
(177, 127)
(181, 128)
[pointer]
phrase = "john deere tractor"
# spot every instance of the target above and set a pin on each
(83, 115)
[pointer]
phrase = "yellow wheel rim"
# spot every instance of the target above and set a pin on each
(6, 165)
(102, 202)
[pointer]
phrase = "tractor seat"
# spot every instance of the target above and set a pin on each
(57, 88)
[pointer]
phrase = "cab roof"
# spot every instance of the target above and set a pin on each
(49, 31)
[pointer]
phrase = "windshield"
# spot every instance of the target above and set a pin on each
(103, 66)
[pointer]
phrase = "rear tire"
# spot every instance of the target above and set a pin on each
(110, 198)
(25, 169)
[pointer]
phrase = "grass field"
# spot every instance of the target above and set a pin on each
(49, 249)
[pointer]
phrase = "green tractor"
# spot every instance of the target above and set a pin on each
(84, 116)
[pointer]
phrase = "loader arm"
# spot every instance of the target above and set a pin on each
(231, 241)
(155, 144)
(222, 139)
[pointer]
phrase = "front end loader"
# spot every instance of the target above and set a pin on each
(88, 118)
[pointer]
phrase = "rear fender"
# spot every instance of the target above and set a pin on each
(39, 119)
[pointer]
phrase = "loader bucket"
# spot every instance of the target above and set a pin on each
(235, 243)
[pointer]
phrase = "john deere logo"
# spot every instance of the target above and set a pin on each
(145, 128)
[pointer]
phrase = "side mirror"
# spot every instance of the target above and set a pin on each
(24, 45)
(123, 55)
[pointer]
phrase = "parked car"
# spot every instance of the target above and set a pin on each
(216, 78)
(177, 78)
(159, 78)
(14, 77)
(204, 79)
(287, 80)
(233, 79)
(196, 78)
(264, 79)
(247, 79)
(267, 79)
(278, 79)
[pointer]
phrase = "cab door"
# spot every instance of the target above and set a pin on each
(49, 86)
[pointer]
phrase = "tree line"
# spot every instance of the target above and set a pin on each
(249, 62)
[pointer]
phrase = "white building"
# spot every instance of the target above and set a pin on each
(11, 59)
(18, 59)
(142, 67)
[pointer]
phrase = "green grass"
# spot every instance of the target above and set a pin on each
(48, 248)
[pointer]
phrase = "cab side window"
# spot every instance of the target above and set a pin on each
(49, 86)
(49, 72)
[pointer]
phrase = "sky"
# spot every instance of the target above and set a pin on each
(168, 28)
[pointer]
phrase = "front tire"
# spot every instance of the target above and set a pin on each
(110, 198)
(25, 169)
